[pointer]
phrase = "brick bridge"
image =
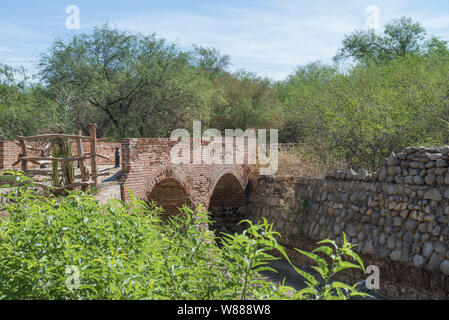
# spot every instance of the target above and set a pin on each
(149, 174)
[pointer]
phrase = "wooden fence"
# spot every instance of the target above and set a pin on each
(87, 179)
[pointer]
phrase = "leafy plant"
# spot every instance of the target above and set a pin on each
(127, 251)
(62, 149)
(326, 288)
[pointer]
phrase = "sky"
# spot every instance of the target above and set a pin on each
(270, 38)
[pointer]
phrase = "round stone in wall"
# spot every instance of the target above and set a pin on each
(427, 249)
(444, 267)
(396, 255)
(419, 261)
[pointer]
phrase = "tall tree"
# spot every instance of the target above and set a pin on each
(24, 107)
(210, 60)
(400, 37)
(130, 84)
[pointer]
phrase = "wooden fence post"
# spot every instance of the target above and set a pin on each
(93, 151)
(24, 152)
(84, 177)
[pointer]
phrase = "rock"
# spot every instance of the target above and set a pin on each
(441, 163)
(430, 164)
(392, 161)
(350, 174)
(422, 227)
(361, 236)
(397, 221)
(429, 218)
(430, 179)
(392, 205)
(440, 247)
(433, 194)
(383, 173)
(409, 237)
(446, 178)
(337, 229)
(410, 150)
(445, 231)
(419, 261)
(394, 189)
(418, 180)
(383, 239)
(446, 210)
(394, 171)
(444, 267)
(436, 231)
(384, 252)
(410, 224)
(427, 249)
(408, 180)
(396, 255)
(391, 242)
(414, 164)
(369, 247)
(362, 174)
(351, 230)
(434, 262)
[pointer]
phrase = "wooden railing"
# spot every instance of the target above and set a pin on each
(86, 178)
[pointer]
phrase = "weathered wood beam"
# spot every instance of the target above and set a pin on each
(49, 136)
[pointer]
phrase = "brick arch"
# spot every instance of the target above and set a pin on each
(169, 172)
(241, 178)
(233, 174)
(169, 175)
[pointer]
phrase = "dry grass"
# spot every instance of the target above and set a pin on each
(303, 161)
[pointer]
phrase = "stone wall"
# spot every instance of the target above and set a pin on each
(398, 216)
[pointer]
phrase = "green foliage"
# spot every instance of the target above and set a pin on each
(210, 60)
(243, 101)
(24, 107)
(401, 37)
(326, 288)
(365, 113)
(126, 251)
(392, 96)
(131, 85)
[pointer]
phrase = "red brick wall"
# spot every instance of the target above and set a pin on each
(103, 148)
(9, 153)
(146, 163)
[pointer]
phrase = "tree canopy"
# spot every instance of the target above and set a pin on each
(393, 94)
(400, 37)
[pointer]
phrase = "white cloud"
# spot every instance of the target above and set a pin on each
(274, 37)
(270, 40)
(10, 31)
(271, 37)
(21, 60)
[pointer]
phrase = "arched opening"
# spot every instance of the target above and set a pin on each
(228, 205)
(170, 195)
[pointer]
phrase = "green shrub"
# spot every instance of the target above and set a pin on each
(125, 251)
